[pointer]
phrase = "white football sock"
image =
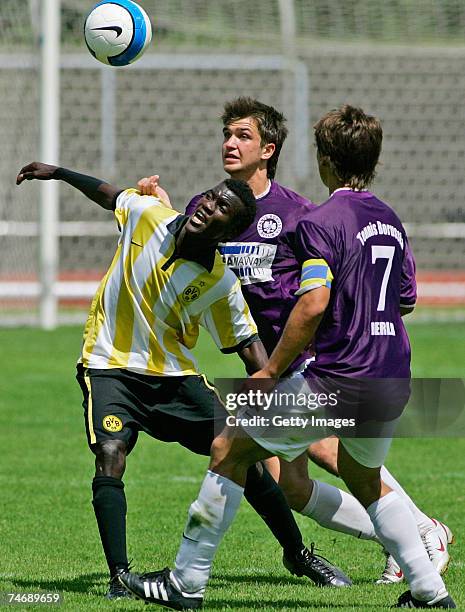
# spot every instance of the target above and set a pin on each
(337, 510)
(423, 521)
(396, 528)
(209, 517)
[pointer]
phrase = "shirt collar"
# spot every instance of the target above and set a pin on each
(265, 193)
(349, 189)
(205, 258)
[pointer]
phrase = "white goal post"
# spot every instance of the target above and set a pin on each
(50, 151)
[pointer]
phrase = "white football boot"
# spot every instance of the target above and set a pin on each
(392, 572)
(436, 539)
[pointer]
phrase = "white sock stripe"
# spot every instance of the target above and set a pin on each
(147, 589)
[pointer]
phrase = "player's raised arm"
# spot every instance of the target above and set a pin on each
(95, 189)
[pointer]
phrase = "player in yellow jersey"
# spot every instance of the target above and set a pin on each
(137, 372)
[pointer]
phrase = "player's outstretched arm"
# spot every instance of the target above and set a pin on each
(95, 189)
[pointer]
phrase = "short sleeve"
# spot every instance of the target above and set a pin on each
(229, 321)
(408, 283)
(314, 242)
(128, 200)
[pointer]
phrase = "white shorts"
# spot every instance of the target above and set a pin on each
(288, 427)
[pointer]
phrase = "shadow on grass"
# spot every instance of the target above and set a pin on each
(84, 583)
(313, 601)
(260, 579)
(281, 580)
(282, 604)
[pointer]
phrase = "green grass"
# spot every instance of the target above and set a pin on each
(48, 536)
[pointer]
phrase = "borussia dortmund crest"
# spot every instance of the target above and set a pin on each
(112, 423)
(190, 294)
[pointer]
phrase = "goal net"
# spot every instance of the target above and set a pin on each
(399, 59)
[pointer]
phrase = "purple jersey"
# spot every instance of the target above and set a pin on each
(365, 246)
(264, 259)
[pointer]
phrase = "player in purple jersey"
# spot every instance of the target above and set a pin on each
(345, 296)
(264, 258)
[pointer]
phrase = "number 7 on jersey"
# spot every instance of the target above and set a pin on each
(383, 252)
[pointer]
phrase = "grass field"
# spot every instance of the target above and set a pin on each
(48, 536)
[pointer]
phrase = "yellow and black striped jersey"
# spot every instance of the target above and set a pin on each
(146, 313)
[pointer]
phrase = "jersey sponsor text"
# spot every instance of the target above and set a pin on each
(251, 261)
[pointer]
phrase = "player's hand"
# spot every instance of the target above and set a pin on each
(150, 186)
(261, 380)
(263, 373)
(36, 170)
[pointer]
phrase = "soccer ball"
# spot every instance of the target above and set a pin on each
(117, 32)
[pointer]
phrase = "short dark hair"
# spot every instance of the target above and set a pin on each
(352, 141)
(270, 124)
(247, 213)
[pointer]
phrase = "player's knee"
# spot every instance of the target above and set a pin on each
(220, 452)
(218, 448)
(228, 458)
(110, 458)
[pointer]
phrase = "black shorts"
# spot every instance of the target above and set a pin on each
(119, 403)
